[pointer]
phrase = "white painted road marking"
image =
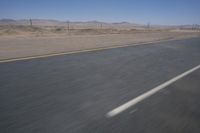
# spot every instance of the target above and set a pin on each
(147, 94)
(133, 111)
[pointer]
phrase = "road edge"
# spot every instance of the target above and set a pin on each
(86, 50)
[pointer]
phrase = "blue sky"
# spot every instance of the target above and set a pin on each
(170, 12)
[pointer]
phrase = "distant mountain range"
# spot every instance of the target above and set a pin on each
(73, 25)
(27, 22)
(87, 24)
(53, 22)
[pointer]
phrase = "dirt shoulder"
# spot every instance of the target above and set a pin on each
(24, 46)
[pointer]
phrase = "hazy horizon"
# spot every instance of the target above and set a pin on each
(157, 12)
(93, 21)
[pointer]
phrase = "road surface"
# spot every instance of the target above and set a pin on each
(74, 93)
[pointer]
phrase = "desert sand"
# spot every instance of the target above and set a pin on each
(25, 41)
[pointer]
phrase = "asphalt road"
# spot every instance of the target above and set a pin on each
(73, 93)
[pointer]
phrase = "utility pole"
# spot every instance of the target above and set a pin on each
(148, 25)
(193, 27)
(68, 26)
(31, 24)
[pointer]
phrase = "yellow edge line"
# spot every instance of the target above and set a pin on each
(79, 51)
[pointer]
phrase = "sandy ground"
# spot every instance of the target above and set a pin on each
(23, 45)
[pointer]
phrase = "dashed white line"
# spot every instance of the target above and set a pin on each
(147, 94)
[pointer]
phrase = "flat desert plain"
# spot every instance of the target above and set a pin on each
(26, 41)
